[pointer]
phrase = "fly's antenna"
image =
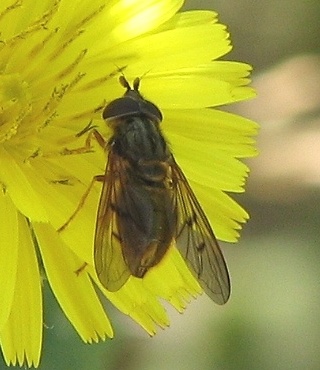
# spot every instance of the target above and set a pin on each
(123, 81)
(136, 84)
(145, 73)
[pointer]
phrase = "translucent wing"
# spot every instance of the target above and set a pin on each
(196, 241)
(110, 265)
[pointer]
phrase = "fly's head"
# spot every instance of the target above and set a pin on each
(131, 104)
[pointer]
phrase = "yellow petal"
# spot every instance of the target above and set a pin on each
(228, 132)
(188, 47)
(18, 185)
(223, 212)
(72, 286)
(8, 261)
(135, 301)
(172, 280)
(21, 336)
(133, 18)
(139, 298)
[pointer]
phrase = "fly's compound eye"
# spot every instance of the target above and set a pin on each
(152, 111)
(121, 107)
(128, 106)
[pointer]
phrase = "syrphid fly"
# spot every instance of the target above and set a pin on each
(147, 204)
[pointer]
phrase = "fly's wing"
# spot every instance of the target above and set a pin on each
(110, 265)
(196, 241)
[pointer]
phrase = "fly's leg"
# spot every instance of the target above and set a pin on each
(86, 148)
(82, 201)
(100, 178)
(81, 268)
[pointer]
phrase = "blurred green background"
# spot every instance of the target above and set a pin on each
(272, 320)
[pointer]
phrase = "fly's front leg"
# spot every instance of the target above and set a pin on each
(100, 178)
(99, 138)
(93, 134)
(87, 148)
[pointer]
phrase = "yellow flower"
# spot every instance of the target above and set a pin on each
(59, 66)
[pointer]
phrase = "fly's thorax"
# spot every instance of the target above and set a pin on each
(138, 139)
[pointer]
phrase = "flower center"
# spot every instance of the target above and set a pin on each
(14, 104)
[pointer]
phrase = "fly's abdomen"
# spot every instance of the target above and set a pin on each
(148, 227)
